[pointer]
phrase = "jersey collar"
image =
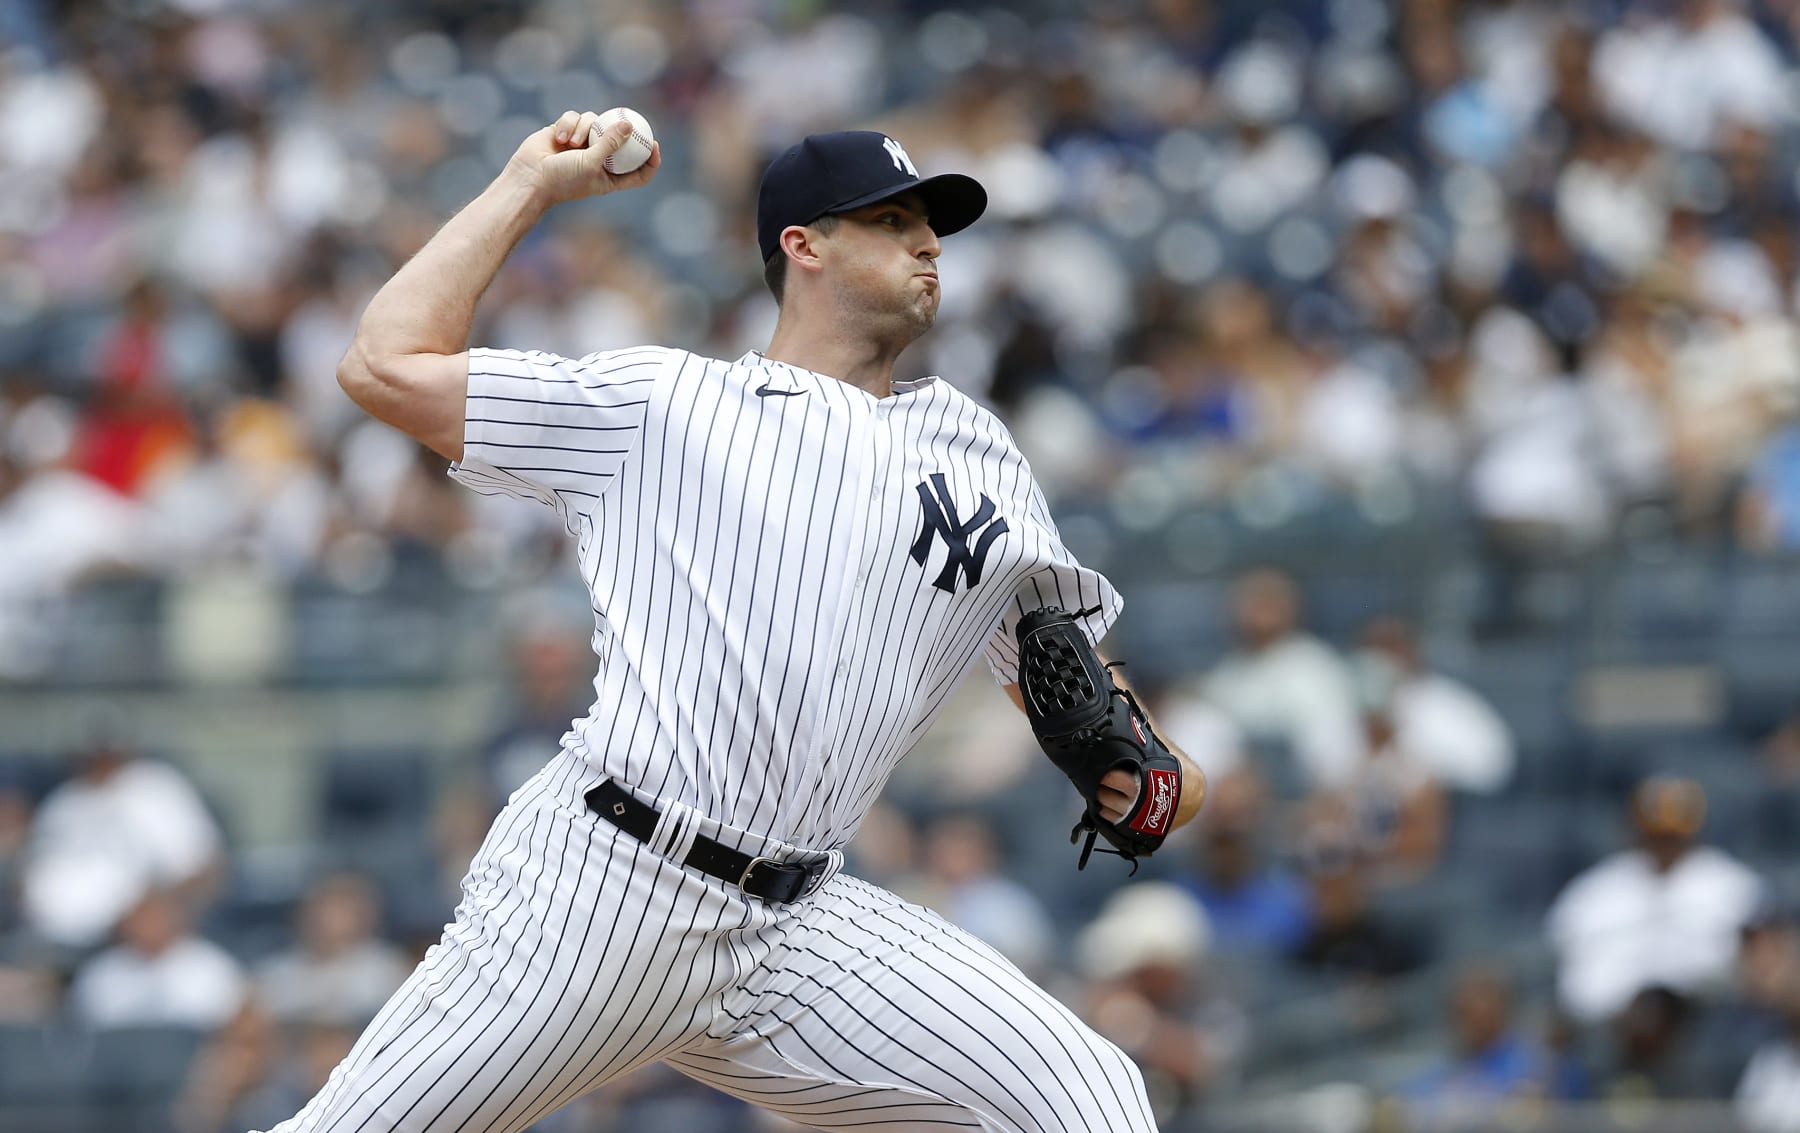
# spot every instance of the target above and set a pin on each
(755, 358)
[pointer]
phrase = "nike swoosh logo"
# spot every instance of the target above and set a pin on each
(765, 391)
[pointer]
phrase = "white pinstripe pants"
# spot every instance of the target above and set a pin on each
(579, 954)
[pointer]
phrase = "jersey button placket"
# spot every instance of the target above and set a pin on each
(881, 444)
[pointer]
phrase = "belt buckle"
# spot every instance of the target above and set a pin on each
(743, 880)
(794, 880)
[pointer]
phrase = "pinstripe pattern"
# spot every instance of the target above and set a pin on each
(579, 954)
(878, 1014)
(769, 648)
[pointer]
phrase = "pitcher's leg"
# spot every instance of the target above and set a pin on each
(877, 1014)
(577, 955)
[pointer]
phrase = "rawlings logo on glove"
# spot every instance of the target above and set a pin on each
(1089, 726)
(1163, 792)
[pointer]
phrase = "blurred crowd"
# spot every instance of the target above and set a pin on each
(1315, 902)
(1535, 259)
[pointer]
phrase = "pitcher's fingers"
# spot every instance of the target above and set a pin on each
(1120, 780)
(642, 174)
(610, 139)
(587, 127)
(564, 127)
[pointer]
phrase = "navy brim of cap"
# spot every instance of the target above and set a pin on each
(953, 201)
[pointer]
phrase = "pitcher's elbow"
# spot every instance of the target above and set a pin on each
(356, 374)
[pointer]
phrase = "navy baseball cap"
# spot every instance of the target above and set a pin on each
(847, 169)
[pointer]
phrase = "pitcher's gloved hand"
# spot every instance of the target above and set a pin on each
(1089, 726)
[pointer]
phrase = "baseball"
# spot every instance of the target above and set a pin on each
(636, 149)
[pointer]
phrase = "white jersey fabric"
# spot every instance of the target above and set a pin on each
(770, 641)
(789, 577)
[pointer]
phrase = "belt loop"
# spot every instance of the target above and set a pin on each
(675, 831)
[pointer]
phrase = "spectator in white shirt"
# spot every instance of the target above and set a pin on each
(159, 974)
(340, 972)
(1668, 913)
(1441, 727)
(1284, 684)
(120, 826)
(964, 881)
(1768, 1097)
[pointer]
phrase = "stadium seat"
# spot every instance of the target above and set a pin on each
(1759, 599)
(1340, 606)
(366, 791)
(1176, 627)
(120, 643)
(1661, 609)
(140, 1065)
(39, 1066)
(1513, 850)
(1762, 682)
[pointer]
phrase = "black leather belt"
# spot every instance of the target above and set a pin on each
(766, 878)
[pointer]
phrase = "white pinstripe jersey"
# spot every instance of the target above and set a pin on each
(789, 575)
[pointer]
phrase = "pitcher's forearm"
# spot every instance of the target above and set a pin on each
(1193, 790)
(428, 307)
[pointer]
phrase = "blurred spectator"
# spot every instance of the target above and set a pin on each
(1781, 752)
(29, 987)
(340, 972)
(1612, 198)
(135, 424)
(253, 1074)
(1395, 808)
(120, 826)
(159, 974)
(659, 1097)
(1270, 162)
(1494, 1070)
(1348, 936)
(1684, 71)
(1145, 956)
(1768, 1097)
(1535, 482)
(886, 851)
(1201, 729)
(247, 485)
(1666, 914)
(1652, 1049)
(1754, 1015)
(60, 528)
(552, 668)
(1284, 684)
(15, 835)
(1253, 906)
(460, 820)
(1769, 510)
(963, 880)
(1437, 724)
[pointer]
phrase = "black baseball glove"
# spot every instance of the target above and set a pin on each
(1089, 726)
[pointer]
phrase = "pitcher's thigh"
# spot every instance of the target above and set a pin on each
(577, 955)
(878, 1014)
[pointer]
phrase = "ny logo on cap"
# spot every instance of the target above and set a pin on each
(901, 161)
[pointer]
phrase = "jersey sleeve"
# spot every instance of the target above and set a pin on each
(1057, 581)
(552, 429)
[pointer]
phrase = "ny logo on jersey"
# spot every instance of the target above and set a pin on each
(941, 520)
(901, 161)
